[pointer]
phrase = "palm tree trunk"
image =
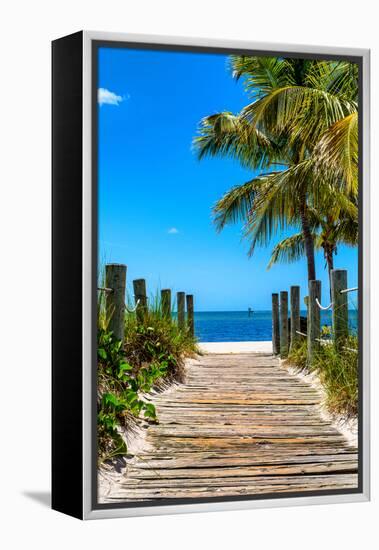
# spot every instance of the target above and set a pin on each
(308, 241)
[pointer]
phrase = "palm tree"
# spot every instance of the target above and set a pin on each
(328, 232)
(295, 103)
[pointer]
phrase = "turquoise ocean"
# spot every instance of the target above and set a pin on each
(237, 326)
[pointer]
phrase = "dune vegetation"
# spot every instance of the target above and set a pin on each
(337, 370)
(151, 357)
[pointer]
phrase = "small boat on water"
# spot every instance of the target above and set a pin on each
(250, 312)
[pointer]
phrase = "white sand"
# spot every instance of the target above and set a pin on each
(236, 347)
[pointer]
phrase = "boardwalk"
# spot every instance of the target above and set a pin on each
(240, 425)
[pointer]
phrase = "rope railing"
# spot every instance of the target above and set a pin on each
(322, 307)
(118, 302)
(348, 290)
(350, 349)
(321, 340)
(133, 309)
(128, 309)
(286, 330)
(343, 291)
(326, 341)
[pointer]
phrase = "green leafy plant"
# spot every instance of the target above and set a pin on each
(152, 355)
(119, 400)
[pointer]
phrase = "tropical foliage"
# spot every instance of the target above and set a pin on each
(328, 232)
(300, 131)
(152, 356)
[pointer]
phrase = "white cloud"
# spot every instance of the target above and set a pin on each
(173, 231)
(106, 97)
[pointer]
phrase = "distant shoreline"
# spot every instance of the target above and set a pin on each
(264, 346)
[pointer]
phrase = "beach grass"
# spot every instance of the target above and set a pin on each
(151, 357)
(337, 370)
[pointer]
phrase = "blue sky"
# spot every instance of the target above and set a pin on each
(155, 197)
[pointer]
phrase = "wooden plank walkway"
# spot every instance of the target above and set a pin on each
(240, 425)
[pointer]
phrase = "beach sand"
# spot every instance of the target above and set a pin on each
(236, 347)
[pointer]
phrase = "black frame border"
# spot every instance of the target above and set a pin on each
(67, 270)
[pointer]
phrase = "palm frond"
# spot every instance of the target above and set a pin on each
(301, 113)
(236, 204)
(261, 74)
(275, 207)
(290, 249)
(225, 134)
(348, 231)
(339, 78)
(337, 151)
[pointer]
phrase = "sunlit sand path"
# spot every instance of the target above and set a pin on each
(240, 425)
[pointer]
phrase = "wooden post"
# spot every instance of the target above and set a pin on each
(115, 279)
(306, 302)
(283, 323)
(295, 315)
(340, 306)
(190, 318)
(139, 286)
(166, 302)
(313, 329)
(275, 325)
(180, 298)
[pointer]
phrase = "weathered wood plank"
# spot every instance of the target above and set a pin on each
(266, 485)
(240, 472)
(240, 425)
(167, 463)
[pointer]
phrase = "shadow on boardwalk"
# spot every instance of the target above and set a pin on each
(240, 425)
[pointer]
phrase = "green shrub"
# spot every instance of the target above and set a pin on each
(118, 402)
(152, 355)
(158, 341)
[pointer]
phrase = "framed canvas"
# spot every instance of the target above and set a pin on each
(210, 275)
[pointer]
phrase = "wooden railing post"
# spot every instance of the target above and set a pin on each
(139, 287)
(306, 302)
(340, 306)
(295, 315)
(283, 323)
(275, 324)
(180, 298)
(115, 280)
(166, 302)
(313, 329)
(190, 315)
